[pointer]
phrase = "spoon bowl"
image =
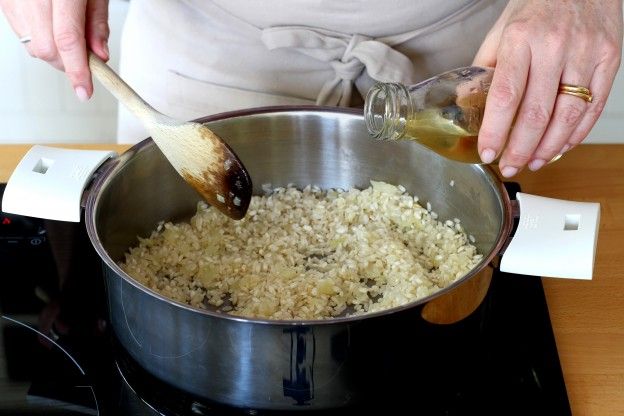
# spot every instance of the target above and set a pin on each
(201, 157)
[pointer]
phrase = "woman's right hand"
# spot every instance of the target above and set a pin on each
(60, 33)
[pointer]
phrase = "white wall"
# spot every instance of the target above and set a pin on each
(37, 105)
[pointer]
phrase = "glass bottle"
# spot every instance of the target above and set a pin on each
(443, 113)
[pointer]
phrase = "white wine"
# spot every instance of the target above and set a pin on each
(443, 113)
(443, 137)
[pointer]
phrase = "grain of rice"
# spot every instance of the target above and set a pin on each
(266, 188)
(307, 254)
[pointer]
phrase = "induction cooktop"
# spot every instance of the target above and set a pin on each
(59, 357)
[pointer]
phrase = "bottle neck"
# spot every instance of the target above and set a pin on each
(386, 110)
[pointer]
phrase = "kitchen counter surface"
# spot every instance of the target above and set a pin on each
(587, 316)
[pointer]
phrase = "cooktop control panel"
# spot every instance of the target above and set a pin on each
(16, 230)
(26, 263)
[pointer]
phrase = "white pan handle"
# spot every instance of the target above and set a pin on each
(555, 238)
(48, 182)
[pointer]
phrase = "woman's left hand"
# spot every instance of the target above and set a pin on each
(534, 46)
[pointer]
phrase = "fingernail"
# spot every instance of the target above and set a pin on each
(105, 49)
(536, 164)
(488, 155)
(509, 171)
(565, 148)
(81, 93)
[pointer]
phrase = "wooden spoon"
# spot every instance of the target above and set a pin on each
(201, 157)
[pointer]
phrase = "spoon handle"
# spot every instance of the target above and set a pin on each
(122, 91)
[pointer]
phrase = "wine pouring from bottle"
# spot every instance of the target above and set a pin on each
(443, 113)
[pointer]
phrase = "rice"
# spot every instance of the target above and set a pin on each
(306, 254)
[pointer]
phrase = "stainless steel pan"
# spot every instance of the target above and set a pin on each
(267, 364)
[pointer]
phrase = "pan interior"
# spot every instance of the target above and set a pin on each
(330, 149)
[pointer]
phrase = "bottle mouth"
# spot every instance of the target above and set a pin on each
(386, 110)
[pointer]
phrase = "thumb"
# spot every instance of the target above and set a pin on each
(486, 56)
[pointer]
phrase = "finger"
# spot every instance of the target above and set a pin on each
(486, 55)
(97, 28)
(42, 44)
(601, 84)
(32, 19)
(534, 112)
(14, 15)
(69, 34)
(503, 98)
(568, 112)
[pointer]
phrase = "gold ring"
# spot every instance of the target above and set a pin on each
(577, 91)
(556, 158)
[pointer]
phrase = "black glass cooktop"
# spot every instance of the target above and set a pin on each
(58, 356)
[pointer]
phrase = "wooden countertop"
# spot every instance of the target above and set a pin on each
(587, 316)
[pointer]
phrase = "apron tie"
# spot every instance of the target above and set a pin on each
(348, 55)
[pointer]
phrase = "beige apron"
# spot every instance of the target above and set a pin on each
(192, 58)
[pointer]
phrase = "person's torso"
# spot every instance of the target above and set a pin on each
(373, 18)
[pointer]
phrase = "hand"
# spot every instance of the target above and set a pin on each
(534, 46)
(60, 32)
